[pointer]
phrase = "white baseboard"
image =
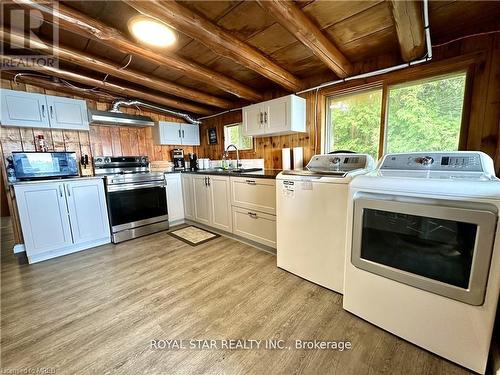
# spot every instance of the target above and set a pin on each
(34, 258)
(19, 248)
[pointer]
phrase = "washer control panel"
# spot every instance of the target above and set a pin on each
(338, 162)
(466, 161)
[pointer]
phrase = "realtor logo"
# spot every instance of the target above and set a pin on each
(29, 33)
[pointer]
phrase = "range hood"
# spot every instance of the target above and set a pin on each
(119, 118)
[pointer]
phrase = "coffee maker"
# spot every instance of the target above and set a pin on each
(178, 159)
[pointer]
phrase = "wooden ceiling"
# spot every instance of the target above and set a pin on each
(359, 31)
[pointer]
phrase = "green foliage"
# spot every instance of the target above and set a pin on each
(426, 116)
(422, 116)
(233, 134)
(356, 122)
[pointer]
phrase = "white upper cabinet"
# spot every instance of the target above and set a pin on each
(190, 135)
(275, 117)
(66, 113)
(23, 109)
(175, 133)
(42, 111)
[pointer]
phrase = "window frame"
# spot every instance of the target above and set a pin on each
(467, 65)
(357, 90)
(236, 124)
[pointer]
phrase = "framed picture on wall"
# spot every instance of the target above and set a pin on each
(212, 136)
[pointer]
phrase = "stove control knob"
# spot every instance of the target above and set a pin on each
(426, 160)
(98, 160)
(144, 159)
(107, 159)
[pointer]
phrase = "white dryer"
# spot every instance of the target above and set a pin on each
(311, 207)
(423, 252)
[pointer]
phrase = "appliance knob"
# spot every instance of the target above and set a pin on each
(144, 159)
(99, 160)
(426, 160)
(336, 160)
(107, 160)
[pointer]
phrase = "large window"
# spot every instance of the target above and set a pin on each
(233, 134)
(354, 122)
(424, 115)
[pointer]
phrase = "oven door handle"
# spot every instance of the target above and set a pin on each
(124, 187)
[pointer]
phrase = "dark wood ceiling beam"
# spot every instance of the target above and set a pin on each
(126, 92)
(55, 85)
(408, 20)
(298, 24)
(83, 25)
(93, 63)
(217, 39)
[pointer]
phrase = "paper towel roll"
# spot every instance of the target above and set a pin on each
(286, 158)
(298, 158)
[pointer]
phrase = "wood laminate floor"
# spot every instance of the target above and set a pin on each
(96, 312)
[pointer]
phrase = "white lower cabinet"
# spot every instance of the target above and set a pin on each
(220, 206)
(201, 192)
(244, 206)
(59, 218)
(256, 226)
(188, 195)
(175, 202)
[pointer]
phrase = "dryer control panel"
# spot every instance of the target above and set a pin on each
(464, 161)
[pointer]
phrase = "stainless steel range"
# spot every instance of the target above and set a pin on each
(137, 199)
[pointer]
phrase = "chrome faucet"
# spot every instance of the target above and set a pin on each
(237, 155)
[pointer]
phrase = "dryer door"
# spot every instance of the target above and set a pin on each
(440, 246)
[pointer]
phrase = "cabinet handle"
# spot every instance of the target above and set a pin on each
(261, 121)
(43, 110)
(208, 181)
(253, 215)
(250, 182)
(51, 112)
(180, 133)
(60, 191)
(265, 117)
(205, 181)
(68, 190)
(183, 134)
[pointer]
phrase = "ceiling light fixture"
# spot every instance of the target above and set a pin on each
(151, 32)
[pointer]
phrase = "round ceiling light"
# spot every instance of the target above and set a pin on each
(151, 32)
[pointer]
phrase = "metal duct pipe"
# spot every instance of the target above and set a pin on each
(115, 107)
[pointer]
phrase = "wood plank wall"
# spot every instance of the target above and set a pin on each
(484, 107)
(101, 140)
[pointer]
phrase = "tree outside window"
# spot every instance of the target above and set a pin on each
(233, 134)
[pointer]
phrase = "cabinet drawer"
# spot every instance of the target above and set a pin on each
(254, 225)
(254, 193)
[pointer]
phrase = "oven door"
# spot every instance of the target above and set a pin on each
(134, 205)
(440, 246)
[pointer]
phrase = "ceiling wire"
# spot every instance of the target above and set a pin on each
(465, 37)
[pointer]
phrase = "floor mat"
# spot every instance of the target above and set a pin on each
(193, 236)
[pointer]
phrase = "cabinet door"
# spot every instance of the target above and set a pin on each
(87, 210)
(44, 217)
(220, 200)
(188, 196)
(202, 204)
(252, 120)
(190, 134)
(254, 225)
(174, 197)
(23, 109)
(170, 133)
(66, 113)
(276, 115)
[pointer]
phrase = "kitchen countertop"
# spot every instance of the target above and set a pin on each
(264, 173)
(55, 180)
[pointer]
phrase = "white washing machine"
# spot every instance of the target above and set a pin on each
(423, 252)
(311, 217)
